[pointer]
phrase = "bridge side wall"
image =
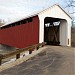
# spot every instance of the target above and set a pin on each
(21, 36)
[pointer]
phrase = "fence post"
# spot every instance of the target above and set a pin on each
(30, 51)
(18, 56)
(37, 47)
(43, 44)
(0, 61)
(1, 58)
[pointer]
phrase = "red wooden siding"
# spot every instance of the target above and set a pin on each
(21, 36)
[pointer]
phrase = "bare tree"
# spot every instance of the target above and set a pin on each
(70, 6)
(70, 3)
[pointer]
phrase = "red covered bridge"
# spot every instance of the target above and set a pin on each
(38, 28)
(21, 34)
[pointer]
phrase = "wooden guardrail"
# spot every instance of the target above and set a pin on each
(18, 51)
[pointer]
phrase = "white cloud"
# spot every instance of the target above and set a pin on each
(13, 9)
(10, 11)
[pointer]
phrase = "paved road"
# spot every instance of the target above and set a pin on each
(54, 60)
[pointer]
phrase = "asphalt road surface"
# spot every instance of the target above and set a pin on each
(54, 60)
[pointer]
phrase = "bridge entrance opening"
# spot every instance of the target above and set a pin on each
(51, 30)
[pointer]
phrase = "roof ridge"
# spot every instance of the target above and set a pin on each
(36, 13)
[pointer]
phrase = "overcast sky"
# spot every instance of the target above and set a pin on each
(15, 9)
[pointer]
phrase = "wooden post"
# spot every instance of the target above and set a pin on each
(37, 47)
(18, 56)
(43, 44)
(1, 58)
(0, 61)
(30, 51)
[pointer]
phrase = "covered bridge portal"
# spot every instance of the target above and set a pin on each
(52, 25)
(51, 30)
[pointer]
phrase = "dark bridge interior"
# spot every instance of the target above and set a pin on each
(51, 30)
